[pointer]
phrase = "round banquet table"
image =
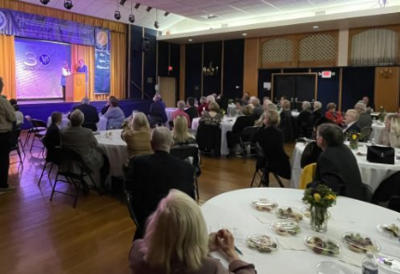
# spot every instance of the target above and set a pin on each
(115, 149)
(372, 174)
(232, 210)
(226, 125)
(169, 112)
(101, 125)
(377, 128)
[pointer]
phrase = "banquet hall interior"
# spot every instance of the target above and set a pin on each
(273, 108)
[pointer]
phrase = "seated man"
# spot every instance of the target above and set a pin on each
(181, 111)
(258, 109)
(90, 113)
(151, 177)
(350, 121)
(337, 166)
(52, 137)
(365, 119)
(157, 110)
(191, 109)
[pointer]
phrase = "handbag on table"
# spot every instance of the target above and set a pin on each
(381, 155)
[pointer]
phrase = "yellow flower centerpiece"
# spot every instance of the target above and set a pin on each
(319, 199)
(354, 138)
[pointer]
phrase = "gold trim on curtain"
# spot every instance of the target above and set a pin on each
(7, 66)
(87, 54)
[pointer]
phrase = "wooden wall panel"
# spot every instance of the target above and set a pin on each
(182, 73)
(251, 64)
(387, 88)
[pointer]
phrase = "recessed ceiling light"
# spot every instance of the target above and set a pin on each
(315, 27)
(190, 40)
(244, 34)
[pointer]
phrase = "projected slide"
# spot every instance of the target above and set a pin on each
(38, 68)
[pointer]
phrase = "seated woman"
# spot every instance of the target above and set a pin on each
(137, 135)
(390, 136)
(53, 137)
(268, 105)
(19, 117)
(247, 120)
(317, 112)
(270, 138)
(114, 114)
(305, 120)
(180, 134)
(288, 123)
(176, 241)
(211, 117)
(334, 115)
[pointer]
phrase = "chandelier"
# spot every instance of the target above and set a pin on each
(210, 70)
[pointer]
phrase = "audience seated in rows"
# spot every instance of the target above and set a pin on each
(270, 138)
(305, 120)
(334, 115)
(53, 136)
(191, 109)
(114, 114)
(181, 112)
(337, 166)
(19, 116)
(90, 113)
(105, 108)
(150, 177)
(211, 117)
(180, 133)
(350, 121)
(317, 111)
(247, 120)
(176, 241)
(287, 122)
(258, 109)
(137, 135)
(157, 112)
(365, 119)
(390, 136)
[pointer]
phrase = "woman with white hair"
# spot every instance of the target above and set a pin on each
(137, 135)
(305, 120)
(365, 119)
(317, 112)
(176, 241)
(390, 136)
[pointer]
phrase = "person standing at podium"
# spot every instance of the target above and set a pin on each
(82, 68)
(66, 71)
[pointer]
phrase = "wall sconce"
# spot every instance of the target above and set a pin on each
(386, 73)
(210, 70)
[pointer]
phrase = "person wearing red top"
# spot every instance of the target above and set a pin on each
(203, 106)
(333, 115)
(181, 111)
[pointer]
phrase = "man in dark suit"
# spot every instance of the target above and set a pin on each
(53, 136)
(90, 113)
(337, 166)
(191, 110)
(350, 121)
(150, 177)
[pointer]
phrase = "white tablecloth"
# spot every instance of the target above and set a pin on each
(169, 112)
(226, 125)
(115, 149)
(377, 128)
(101, 125)
(233, 210)
(372, 174)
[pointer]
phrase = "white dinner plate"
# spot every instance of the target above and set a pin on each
(390, 264)
(332, 268)
(387, 234)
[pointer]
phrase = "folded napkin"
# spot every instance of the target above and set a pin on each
(291, 243)
(350, 257)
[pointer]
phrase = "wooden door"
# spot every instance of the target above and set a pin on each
(387, 88)
(167, 89)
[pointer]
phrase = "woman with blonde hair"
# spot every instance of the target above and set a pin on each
(211, 117)
(176, 241)
(390, 136)
(137, 135)
(180, 134)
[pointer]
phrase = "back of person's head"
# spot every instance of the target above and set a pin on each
(114, 102)
(139, 122)
(272, 118)
(1, 85)
(77, 117)
(13, 102)
(190, 101)
(213, 107)
(56, 117)
(176, 233)
(181, 105)
(157, 97)
(247, 110)
(161, 139)
(210, 99)
(203, 100)
(353, 114)
(332, 134)
(306, 105)
(331, 106)
(111, 97)
(285, 105)
(239, 102)
(360, 107)
(270, 106)
(180, 132)
(254, 101)
(394, 121)
(317, 105)
(86, 101)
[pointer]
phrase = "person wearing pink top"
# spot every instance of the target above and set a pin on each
(181, 111)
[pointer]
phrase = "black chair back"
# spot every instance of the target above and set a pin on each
(39, 123)
(209, 138)
(67, 155)
(186, 151)
(365, 132)
(248, 133)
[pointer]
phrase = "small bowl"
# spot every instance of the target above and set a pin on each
(263, 243)
(287, 212)
(285, 227)
(264, 205)
(322, 245)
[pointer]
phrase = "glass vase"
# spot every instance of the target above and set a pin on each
(319, 218)
(353, 143)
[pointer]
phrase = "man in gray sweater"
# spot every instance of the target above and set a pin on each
(365, 119)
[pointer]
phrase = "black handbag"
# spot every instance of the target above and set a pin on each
(381, 155)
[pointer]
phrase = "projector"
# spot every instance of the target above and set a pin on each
(68, 4)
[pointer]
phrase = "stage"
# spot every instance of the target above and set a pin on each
(42, 109)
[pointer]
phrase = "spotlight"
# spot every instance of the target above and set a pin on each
(131, 18)
(117, 15)
(166, 13)
(156, 24)
(137, 6)
(44, 2)
(68, 4)
(149, 9)
(122, 2)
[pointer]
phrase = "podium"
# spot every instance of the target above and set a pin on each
(75, 88)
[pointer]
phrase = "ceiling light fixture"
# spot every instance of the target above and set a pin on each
(44, 2)
(156, 24)
(122, 2)
(131, 16)
(117, 13)
(166, 13)
(149, 9)
(137, 6)
(244, 34)
(68, 4)
(315, 27)
(190, 40)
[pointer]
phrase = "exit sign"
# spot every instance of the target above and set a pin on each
(326, 74)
